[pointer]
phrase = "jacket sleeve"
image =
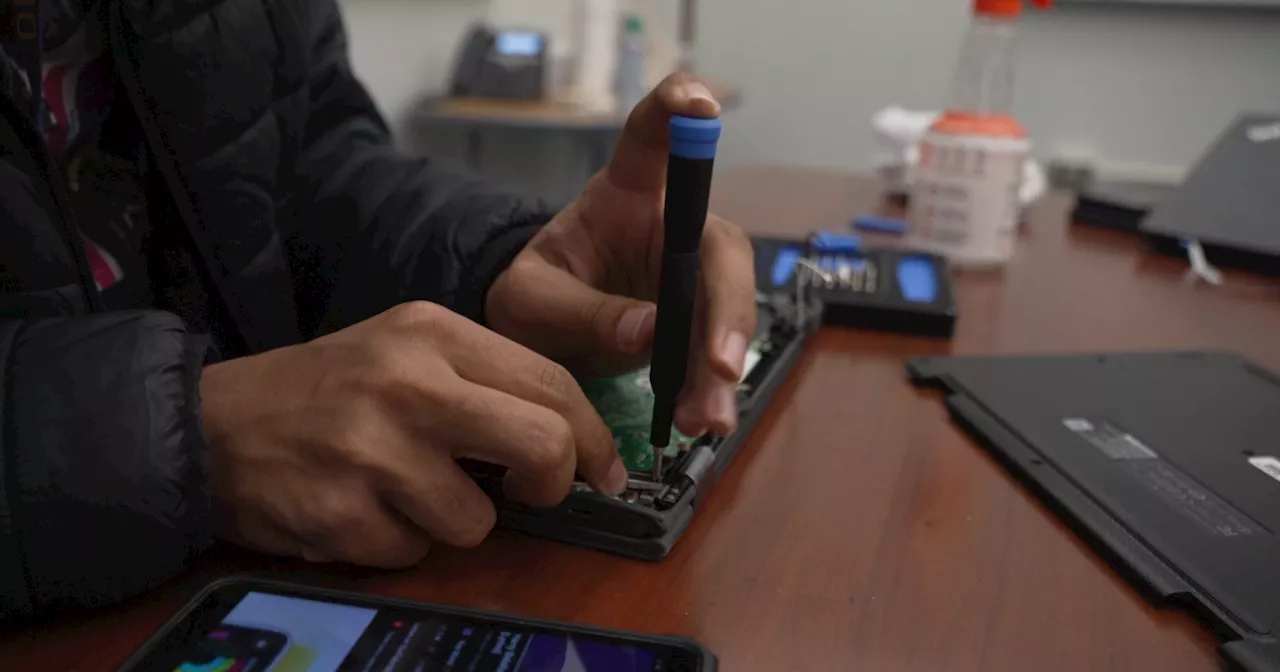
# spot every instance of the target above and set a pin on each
(376, 227)
(103, 482)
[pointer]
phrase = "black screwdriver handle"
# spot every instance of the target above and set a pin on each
(689, 170)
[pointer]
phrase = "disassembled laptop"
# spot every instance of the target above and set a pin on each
(646, 520)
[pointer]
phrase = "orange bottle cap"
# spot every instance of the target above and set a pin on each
(1005, 7)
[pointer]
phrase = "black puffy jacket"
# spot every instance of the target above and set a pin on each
(306, 220)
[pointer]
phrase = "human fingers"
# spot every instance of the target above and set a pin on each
(489, 360)
(352, 526)
(639, 162)
(725, 321)
(432, 491)
(729, 281)
(570, 321)
(535, 443)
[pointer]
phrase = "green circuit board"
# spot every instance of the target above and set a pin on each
(625, 403)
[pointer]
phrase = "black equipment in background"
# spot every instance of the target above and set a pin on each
(507, 63)
(1118, 205)
(861, 287)
(1230, 202)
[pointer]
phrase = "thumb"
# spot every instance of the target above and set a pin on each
(639, 162)
(621, 325)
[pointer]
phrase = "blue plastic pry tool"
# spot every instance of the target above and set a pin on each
(880, 224)
(784, 265)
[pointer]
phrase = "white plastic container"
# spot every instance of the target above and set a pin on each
(598, 56)
(965, 200)
(630, 80)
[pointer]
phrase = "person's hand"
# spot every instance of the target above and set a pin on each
(581, 291)
(344, 448)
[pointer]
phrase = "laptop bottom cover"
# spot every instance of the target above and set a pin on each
(1167, 463)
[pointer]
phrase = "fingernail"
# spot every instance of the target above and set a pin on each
(617, 480)
(724, 407)
(688, 423)
(733, 352)
(631, 326)
(697, 91)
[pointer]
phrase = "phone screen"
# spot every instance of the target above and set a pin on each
(518, 43)
(266, 631)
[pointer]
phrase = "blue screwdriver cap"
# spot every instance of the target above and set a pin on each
(694, 138)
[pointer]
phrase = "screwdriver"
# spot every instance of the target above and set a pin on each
(690, 160)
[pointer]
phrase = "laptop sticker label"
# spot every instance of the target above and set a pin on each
(1267, 465)
(1193, 500)
(1116, 444)
(1164, 480)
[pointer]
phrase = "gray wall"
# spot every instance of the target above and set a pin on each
(1164, 80)
(1161, 94)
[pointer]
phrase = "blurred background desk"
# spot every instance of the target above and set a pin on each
(859, 529)
(436, 114)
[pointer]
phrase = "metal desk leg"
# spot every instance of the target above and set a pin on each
(475, 145)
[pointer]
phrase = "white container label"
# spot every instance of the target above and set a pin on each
(965, 204)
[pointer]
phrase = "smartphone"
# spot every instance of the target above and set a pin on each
(253, 625)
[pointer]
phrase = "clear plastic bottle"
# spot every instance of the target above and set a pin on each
(965, 200)
(629, 84)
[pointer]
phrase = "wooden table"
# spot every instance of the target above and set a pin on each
(859, 529)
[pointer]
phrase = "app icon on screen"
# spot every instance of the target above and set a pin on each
(216, 665)
(320, 634)
(231, 648)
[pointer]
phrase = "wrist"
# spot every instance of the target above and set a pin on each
(213, 404)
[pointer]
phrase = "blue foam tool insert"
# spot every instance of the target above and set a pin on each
(880, 224)
(836, 242)
(917, 279)
(784, 265)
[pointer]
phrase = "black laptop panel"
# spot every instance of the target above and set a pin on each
(1230, 201)
(1169, 464)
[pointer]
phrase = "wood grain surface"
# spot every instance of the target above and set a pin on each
(859, 529)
